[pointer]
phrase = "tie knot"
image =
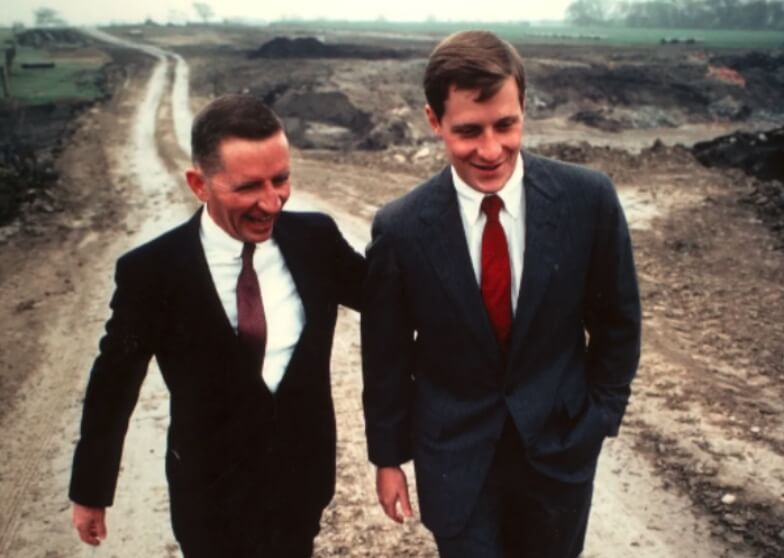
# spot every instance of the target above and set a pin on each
(247, 252)
(492, 205)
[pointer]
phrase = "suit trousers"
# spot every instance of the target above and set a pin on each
(290, 535)
(521, 513)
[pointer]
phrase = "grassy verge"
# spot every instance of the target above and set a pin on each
(66, 81)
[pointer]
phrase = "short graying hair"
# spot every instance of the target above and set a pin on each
(229, 116)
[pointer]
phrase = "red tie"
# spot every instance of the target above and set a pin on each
(496, 272)
(251, 323)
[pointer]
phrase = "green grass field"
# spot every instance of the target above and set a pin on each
(522, 32)
(63, 82)
(66, 81)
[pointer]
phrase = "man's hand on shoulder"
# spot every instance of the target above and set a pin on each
(392, 488)
(90, 523)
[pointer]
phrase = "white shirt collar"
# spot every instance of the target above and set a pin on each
(215, 239)
(471, 200)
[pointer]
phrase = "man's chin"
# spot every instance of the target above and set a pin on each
(257, 234)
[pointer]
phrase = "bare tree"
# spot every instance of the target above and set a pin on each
(586, 12)
(204, 10)
(47, 17)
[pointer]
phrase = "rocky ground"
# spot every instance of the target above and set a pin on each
(698, 468)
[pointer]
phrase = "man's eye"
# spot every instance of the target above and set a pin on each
(505, 125)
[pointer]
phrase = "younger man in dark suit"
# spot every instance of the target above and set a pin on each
(501, 324)
(238, 306)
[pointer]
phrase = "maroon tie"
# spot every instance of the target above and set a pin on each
(496, 272)
(251, 323)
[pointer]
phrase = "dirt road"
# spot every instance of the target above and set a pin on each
(123, 173)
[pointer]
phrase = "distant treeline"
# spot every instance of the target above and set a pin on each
(682, 14)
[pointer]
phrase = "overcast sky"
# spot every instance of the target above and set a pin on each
(100, 11)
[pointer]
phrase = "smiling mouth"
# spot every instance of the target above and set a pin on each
(487, 168)
(261, 220)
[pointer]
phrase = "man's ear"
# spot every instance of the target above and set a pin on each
(197, 183)
(432, 119)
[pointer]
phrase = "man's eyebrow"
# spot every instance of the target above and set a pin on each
(511, 119)
(468, 127)
(247, 184)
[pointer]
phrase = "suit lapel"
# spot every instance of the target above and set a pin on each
(194, 285)
(540, 258)
(294, 248)
(444, 242)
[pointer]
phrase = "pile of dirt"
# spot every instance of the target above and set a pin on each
(310, 47)
(760, 155)
(321, 119)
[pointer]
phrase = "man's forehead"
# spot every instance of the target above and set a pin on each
(278, 137)
(466, 108)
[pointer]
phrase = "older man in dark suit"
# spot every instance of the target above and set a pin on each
(238, 306)
(501, 325)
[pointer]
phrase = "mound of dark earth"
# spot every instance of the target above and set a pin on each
(310, 47)
(324, 120)
(760, 155)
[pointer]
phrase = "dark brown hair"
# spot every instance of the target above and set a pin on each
(229, 116)
(471, 60)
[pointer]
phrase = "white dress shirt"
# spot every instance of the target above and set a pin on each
(283, 308)
(512, 219)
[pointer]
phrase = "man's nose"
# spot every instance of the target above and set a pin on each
(269, 200)
(489, 148)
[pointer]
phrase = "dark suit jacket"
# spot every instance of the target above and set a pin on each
(437, 386)
(234, 449)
